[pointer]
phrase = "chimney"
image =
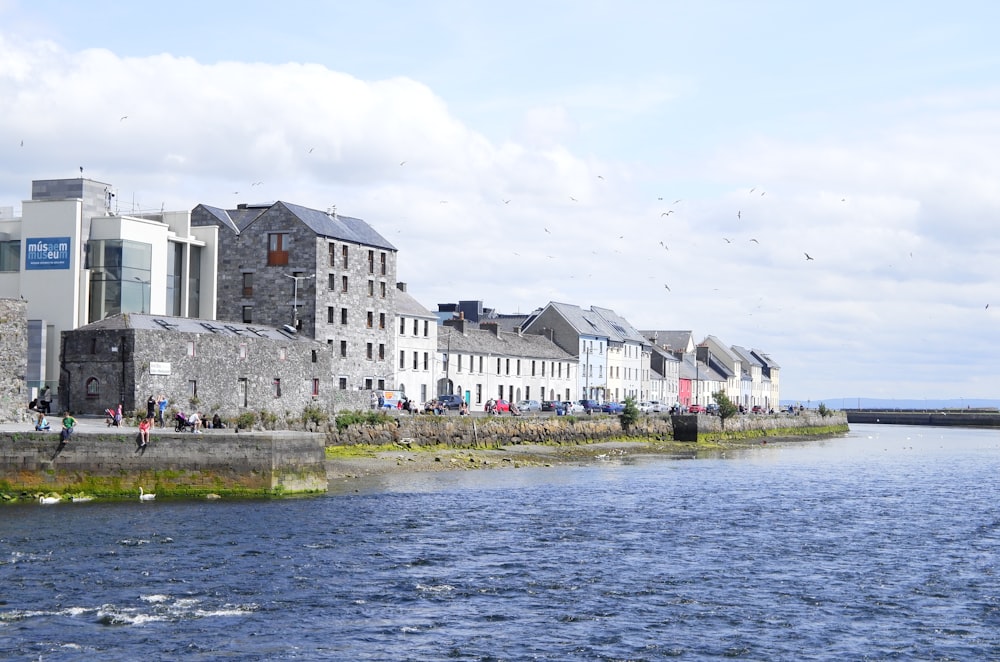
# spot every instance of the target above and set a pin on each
(241, 205)
(492, 327)
(457, 323)
(401, 287)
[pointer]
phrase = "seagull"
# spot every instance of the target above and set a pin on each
(572, 198)
(402, 163)
(739, 214)
(22, 143)
(667, 213)
(81, 499)
(987, 306)
(311, 149)
(677, 201)
(546, 231)
(728, 241)
(81, 170)
(753, 189)
(145, 497)
(666, 286)
(506, 202)
(808, 256)
(123, 118)
(600, 177)
(755, 241)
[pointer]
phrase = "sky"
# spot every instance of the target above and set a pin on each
(820, 181)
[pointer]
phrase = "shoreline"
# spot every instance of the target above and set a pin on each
(344, 471)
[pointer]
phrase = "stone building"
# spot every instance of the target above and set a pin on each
(222, 367)
(14, 395)
(329, 277)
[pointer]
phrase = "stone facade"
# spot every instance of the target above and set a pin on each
(212, 367)
(14, 396)
(331, 277)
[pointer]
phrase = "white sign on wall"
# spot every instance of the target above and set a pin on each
(159, 368)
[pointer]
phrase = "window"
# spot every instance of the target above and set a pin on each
(507, 364)
(93, 345)
(342, 383)
(371, 319)
(333, 255)
(402, 360)
(277, 387)
(402, 326)
(190, 348)
(247, 314)
(315, 386)
(343, 255)
(415, 323)
(93, 388)
(10, 255)
(480, 364)
(343, 283)
(425, 329)
(381, 384)
(381, 320)
(371, 288)
(277, 249)
(517, 370)
(371, 262)
(331, 283)
(241, 391)
(281, 354)
(381, 352)
(416, 356)
(459, 369)
(343, 348)
(315, 355)
(382, 257)
(243, 350)
(248, 285)
(369, 351)
(343, 315)
(330, 314)
(368, 384)
(381, 286)
(192, 388)
(479, 394)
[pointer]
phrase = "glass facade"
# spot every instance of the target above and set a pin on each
(10, 255)
(119, 277)
(175, 269)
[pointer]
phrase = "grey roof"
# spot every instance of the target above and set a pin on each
(746, 356)
(675, 340)
(407, 306)
(334, 226)
(166, 323)
(689, 369)
(722, 346)
(480, 341)
(626, 332)
(584, 322)
(765, 359)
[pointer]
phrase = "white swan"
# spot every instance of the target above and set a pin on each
(48, 500)
(81, 499)
(145, 497)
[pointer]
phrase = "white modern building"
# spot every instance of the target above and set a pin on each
(76, 259)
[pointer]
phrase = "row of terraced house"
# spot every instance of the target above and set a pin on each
(277, 307)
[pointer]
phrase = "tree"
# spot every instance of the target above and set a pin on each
(630, 414)
(823, 411)
(726, 407)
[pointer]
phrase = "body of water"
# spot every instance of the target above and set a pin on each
(882, 544)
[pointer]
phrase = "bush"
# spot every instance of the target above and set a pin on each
(315, 414)
(823, 411)
(348, 418)
(246, 420)
(630, 414)
(726, 407)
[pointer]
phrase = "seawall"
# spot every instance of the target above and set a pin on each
(933, 417)
(172, 464)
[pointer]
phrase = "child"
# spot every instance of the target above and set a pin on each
(68, 423)
(42, 424)
(144, 426)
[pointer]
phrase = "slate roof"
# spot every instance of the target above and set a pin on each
(502, 344)
(689, 370)
(344, 228)
(407, 306)
(765, 359)
(166, 323)
(675, 340)
(626, 332)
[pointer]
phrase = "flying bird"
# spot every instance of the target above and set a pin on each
(506, 202)
(739, 214)
(677, 201)
(123, 118)
(666, 286)
(402, 163)
(546, 231)
(22, 143)
(808, 256)
(667, 213)
(755, 241)
(753, 189)
(600, 177)
(311, 149)
(572, 198)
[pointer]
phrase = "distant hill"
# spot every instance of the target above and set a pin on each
(888, 403)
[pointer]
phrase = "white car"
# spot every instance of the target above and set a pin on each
(645, 407)
(657, 406)
(573, 408)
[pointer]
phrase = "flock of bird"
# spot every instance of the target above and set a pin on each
(49, 500)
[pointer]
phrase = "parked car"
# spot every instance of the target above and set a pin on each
(712, 408)
(645, 407)
(572, 407)
(696, 409)
(757, 409)
(612, 407)
(551, 405)
(529, 405)
(589, 405)
(499, 406)
(453, 401)
(657, 406)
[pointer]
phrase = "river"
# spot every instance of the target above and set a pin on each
(881, 544)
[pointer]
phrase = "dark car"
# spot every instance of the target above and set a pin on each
(590, 406)
(551, 405)
(612, 407)
(450, 401)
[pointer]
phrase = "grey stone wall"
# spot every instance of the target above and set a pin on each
(216, 367)
(14, 395)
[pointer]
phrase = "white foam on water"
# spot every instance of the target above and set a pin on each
(440, 588)
(158, 597)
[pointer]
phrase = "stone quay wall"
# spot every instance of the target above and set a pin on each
(470, 432)
(172, 464)
(14, 394)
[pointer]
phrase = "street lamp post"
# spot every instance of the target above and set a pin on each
(142, 284)
(295, 297)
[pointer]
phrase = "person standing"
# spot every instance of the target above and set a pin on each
(45, 399)
(162, 403)
(150, 407)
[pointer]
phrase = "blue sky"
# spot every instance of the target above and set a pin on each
(672, 161)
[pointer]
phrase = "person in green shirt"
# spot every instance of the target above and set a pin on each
(68, 424)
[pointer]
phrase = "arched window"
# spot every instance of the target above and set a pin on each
(93, 388)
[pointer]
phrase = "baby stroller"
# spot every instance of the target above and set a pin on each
(182, 424)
